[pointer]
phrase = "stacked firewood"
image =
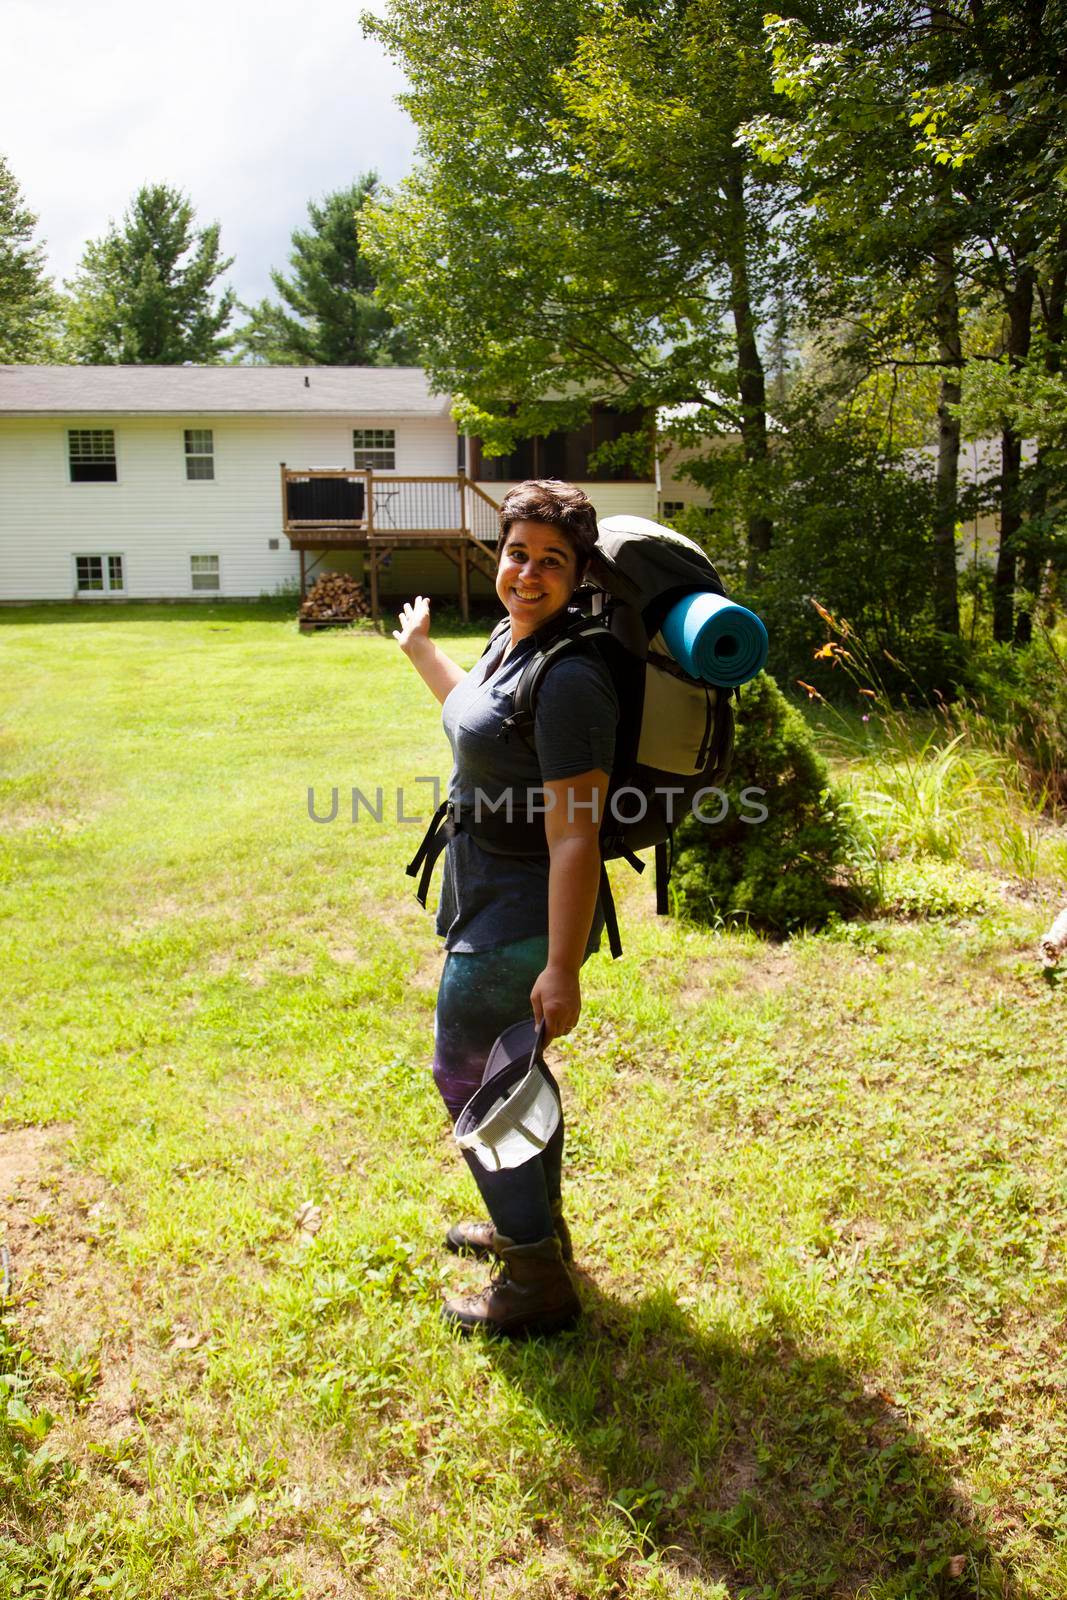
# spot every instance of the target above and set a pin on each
(335, 597)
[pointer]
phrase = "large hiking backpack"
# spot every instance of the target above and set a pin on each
(675, 733)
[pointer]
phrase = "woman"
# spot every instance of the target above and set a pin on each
(518, 928)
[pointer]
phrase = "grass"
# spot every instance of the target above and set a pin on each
(939, 785)
(818, 1189)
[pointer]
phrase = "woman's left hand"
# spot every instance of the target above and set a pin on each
(556, 996)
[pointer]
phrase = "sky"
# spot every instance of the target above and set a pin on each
(250, 108)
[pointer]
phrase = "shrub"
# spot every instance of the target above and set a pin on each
(1022, 696)
(785, 872)
(852, 528)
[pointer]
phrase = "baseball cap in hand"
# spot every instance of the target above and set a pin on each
(515, 1112)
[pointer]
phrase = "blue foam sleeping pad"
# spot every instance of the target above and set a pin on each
(715, 639)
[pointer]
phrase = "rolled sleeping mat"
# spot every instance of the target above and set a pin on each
(713, 638)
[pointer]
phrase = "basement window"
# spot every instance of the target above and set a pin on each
(374, 447)
(204, 571)
(199, 453)
(91, 453)
(673, 508)
(99, 574)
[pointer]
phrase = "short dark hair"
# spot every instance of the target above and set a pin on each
(557, 504)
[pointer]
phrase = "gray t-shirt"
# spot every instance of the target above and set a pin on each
(488, 899)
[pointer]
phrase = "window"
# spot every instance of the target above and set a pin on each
(673, 508)
(92, 455)
(99, 574)
(199, 453)
(374, 447)
(205, 572)
(520, 463)
(566, 453)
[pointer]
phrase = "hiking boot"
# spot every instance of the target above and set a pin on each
(476, 1238)
(470, 1239)
(530, 1292)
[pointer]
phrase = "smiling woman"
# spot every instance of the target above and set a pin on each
(547, 533)
(518, 927)
(535, 576)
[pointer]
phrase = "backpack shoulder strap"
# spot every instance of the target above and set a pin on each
(497, 633)
(578, 639)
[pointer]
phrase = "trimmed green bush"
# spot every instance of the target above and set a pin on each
(788, 870)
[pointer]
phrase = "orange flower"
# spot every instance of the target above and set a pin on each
(824, 614)
(869, 693)
(813, 693)
(826, 652)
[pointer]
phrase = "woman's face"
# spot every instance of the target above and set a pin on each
(536, 575)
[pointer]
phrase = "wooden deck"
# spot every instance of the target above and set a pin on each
(326, 509)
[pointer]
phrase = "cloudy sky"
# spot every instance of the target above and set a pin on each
(249, 106)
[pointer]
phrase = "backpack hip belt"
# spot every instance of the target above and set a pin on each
(448, 820)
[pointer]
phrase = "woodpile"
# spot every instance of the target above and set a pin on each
(334, 598)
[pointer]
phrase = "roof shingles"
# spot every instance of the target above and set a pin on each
(185, 391)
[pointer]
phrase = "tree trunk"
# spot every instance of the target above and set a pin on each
(950, 355)
(1020, 302)
(751, 377)
(1010, 522)
(1034, 561)
(1057, 328)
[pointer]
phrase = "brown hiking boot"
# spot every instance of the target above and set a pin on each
(530, 1292)
(470, 1238)
(476, 1238)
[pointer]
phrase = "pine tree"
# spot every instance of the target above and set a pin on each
(27, 299)
(146, 292)
(329, 316)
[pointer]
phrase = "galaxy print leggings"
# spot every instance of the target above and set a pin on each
(482, 993)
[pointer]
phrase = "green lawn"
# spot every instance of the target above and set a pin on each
(817, 1190)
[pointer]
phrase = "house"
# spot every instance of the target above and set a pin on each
(187, 482)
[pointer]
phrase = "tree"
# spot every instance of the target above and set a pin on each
(333, 318)
(1002, 124)
(1029, 397)
(930, 146)
(27, 299)
(584, 226)
(881, 229)
(146, 292)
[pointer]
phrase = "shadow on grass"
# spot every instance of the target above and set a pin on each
(773, 1471)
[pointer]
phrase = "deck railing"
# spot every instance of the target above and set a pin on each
(482, 514)
(330, 503)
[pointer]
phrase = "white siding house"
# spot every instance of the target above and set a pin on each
(165, 482)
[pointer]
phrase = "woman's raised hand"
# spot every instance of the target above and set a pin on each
(414, 622)
(437, 671)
